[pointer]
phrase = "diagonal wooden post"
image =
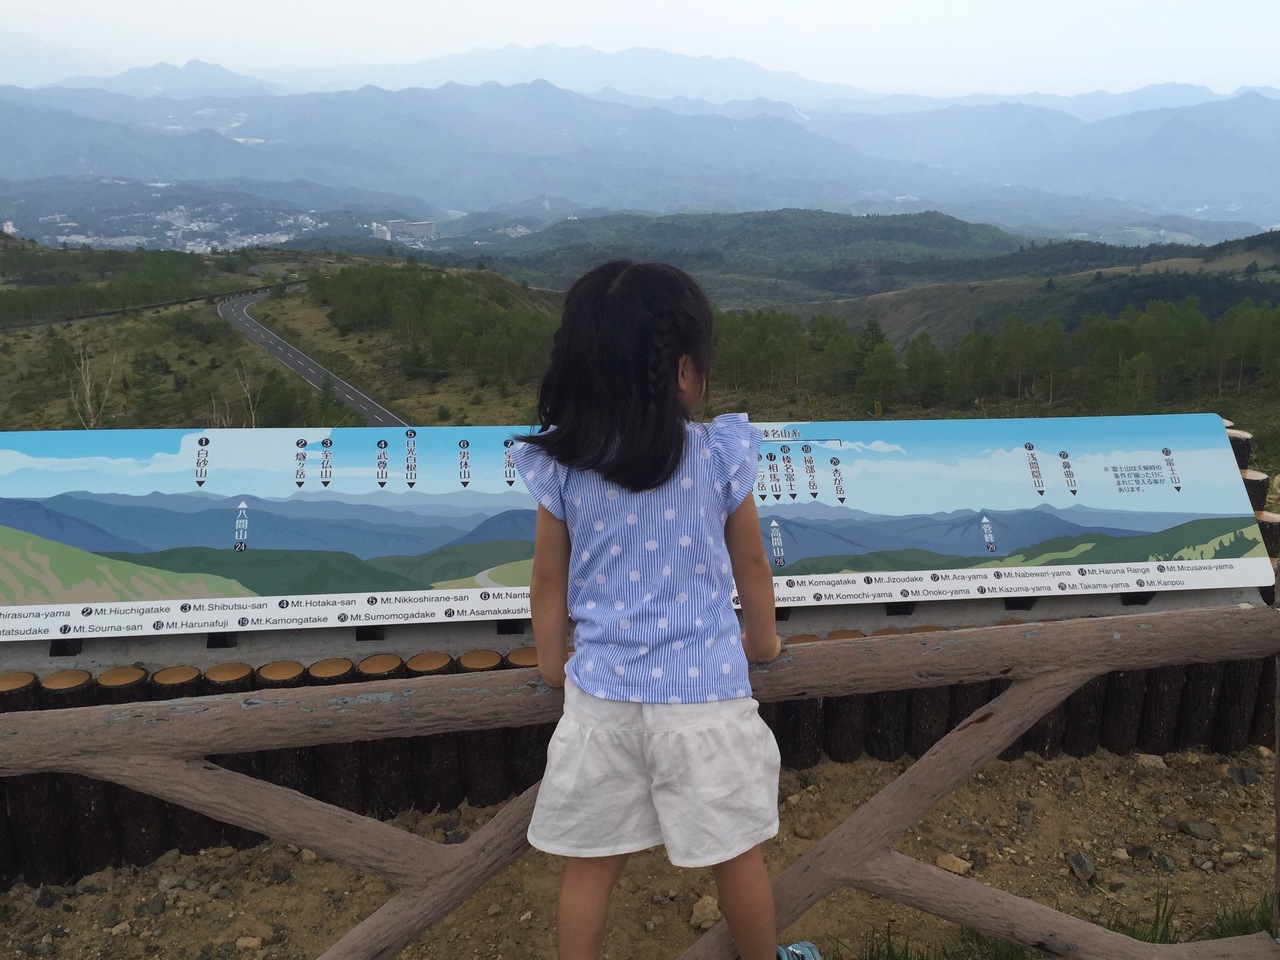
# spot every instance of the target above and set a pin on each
(1011, 917)
(865, 836)
(858, 852)
(437, 878)
(281, 813)
(408, 915)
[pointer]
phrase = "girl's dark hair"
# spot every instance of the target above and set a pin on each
(610, 389)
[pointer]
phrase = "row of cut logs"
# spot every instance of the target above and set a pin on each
(57, 827)
(1221, 707)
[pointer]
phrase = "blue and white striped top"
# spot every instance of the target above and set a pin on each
(650, 587)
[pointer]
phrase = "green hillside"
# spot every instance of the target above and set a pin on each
(458, 562)
(36, 570)
(40, 285)
(277, 572)
(394, 329)
(949, 310)
(1211, 538)
(746, 259)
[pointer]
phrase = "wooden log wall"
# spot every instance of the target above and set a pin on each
(1221, 707)
(158, 748)
(70, 825)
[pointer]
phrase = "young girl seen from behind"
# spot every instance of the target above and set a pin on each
(646, 522)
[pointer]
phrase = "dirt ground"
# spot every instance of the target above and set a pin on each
(1098, 838)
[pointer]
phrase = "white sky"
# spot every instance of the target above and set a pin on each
(934, 47)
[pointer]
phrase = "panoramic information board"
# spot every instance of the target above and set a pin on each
(142, 532)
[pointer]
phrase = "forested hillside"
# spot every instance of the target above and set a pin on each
(38, 285)
(442, 322)
(780, 257)
(773, 241)
(743, 259)
(1128, 333)
(1146, 355)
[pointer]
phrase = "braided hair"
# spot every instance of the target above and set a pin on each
(663, 355)
(611, 390)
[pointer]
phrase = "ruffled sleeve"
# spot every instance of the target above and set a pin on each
(543, 475)
(735, 447)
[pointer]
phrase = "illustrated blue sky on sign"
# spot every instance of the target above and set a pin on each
(922, 467)
(891, 469)
(264, 462)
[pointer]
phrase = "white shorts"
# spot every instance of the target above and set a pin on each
(700, 778)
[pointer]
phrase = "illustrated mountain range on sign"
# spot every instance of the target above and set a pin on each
(303, 545)
(313, 544)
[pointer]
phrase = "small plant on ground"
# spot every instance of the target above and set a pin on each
(972, 945)
(882, 946)
(1157, 929)
(1239, 921)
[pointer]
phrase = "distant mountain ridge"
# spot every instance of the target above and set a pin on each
(34, 517)
(640, 71)
(121, 524)
(706, 134)
(643, 73)
(158, 522)
(192, 80)
(49, 570)
(959, 533)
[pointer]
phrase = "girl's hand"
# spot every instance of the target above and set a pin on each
(761, 654)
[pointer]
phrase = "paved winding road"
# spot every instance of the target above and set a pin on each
(236, 312)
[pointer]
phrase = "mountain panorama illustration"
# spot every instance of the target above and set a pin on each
(163, 531)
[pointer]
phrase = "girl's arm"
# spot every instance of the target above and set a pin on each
(549, 596)
(754, 579)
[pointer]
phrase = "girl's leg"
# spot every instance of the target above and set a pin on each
(746, 900)
(583, 907)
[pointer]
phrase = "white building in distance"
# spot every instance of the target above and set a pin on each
(412, 230)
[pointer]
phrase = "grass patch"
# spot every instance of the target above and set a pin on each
(370, 361)
(172, 367)
(1235, 920)
(969, 945)
(1158, 928)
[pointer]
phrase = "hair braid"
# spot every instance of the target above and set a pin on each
(661, 351)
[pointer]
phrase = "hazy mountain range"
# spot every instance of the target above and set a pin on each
(658, 132)
(155, 523)
(634, 75)
(104, 523)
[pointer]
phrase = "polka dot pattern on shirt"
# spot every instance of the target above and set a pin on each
(650, 576)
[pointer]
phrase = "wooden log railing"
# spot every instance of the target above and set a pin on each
(157, 748)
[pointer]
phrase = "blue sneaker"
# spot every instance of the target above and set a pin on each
(800, 950)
